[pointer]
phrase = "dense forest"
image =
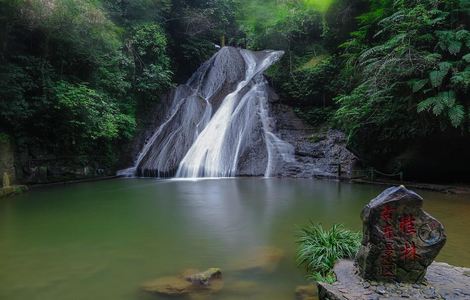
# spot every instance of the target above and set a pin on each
(77, 77)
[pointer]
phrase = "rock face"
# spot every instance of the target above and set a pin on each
(258, 129)
(318, 151)
(217, 122)
(400, 239)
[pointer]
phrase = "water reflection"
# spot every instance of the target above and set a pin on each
(102, 240)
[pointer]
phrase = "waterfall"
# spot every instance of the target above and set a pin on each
(218, 124)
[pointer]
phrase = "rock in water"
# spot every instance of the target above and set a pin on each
(265, 259)
(306, 292)
(191, 283)
(204, 278)
(400, 239)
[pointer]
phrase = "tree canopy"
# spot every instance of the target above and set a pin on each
(76, 75)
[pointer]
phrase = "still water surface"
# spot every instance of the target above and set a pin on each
(102, 240)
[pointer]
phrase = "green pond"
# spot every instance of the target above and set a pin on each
(103, 240)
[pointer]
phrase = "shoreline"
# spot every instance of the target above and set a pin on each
(91, 179)
(441, 188)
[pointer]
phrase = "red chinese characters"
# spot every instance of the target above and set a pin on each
(409, 251)
(388, 231)
(387, 259)
(387, 213)
(407, 225)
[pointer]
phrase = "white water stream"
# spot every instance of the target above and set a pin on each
(211, 134)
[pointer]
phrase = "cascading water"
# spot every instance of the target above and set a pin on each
(218, 124)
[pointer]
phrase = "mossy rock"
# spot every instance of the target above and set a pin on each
(204, 278)
(12, 190)
(191, 283)
(171, 286)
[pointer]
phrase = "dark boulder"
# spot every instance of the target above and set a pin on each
(400, 239)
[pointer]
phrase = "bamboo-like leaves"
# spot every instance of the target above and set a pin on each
(319, 249)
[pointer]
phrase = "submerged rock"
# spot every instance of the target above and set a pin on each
(400, 239)
(171, 286)
(306, 292)
(191, 283)
(264, 259)
(204, 278)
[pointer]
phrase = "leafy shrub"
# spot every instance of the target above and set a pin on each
(4, 138)
(151, 62)
(89, 114)
(316, 115)
(319, 249)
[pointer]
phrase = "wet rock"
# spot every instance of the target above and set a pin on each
(443, 281)
(191, 282)
(264, 259)
(204, 278)
(400, 239)
(318, 151)
(306, 292)
(170, 286)
(12, 190)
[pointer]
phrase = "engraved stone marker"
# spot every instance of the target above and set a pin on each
(400, 239)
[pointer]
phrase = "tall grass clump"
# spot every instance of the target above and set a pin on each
(319, 249)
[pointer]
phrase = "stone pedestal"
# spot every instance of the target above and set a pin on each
(395, 260)
(442, 281)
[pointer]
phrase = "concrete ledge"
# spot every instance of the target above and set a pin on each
(442, 281)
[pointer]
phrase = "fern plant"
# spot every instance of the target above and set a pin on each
(444, 103)
(319, 249)
(418, 61)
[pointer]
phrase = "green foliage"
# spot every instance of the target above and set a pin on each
(444, 103)
(71, 79)
(151, 63)
(311, 83)
(196, 27)
(309, 32)
(90, 115)
(270, 24)
(4, 138)
(316, 115)
(403, 75)
(128, 12)
(319, 249)
(87, 69)
(21, 82)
